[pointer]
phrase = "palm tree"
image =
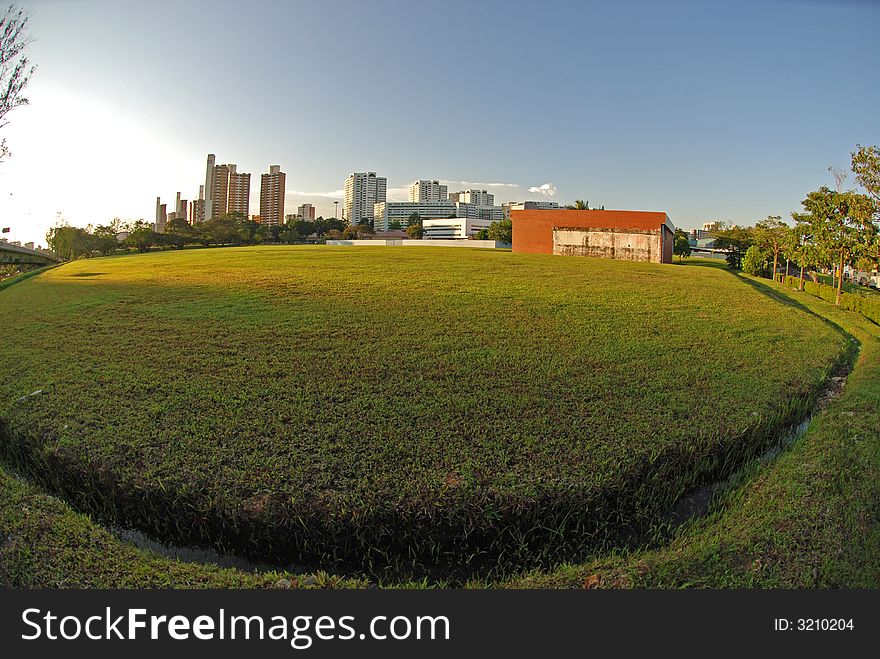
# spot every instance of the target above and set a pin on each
(581, 205)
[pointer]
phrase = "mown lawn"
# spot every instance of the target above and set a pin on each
(811, 519)
(370, 407)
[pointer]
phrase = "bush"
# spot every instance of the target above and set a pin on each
(869, 307)
(754, 261)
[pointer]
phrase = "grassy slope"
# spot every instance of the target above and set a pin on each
(812, 519)
(45, 544)
(560, 299)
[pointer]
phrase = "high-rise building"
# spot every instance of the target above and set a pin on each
(427, 191)
(476, 197)
(180, 207)
(272, 186)
(197, 208)
(161, 215)
(363, 190)
(306, 212)
(239, 192)
(226, 190)
(209, 188)
(219, 192)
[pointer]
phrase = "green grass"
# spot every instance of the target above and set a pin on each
(429, 411)
(9, 281)
(811, 519)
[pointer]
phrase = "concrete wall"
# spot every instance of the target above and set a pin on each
(480, 244)
(368, 243)
(534, 231)
(622, 244)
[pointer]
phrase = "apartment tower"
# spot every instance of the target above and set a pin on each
(306, 212)
(161, 216)
(197, 208)
(272, 187)
(239, 191)
(363, 190)
(427, 191)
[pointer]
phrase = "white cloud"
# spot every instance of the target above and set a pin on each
(546, 189)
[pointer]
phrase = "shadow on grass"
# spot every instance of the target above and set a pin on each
(780, 296)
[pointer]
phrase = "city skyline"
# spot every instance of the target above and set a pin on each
(701, 110)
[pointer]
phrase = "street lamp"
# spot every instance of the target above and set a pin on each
(335, 210)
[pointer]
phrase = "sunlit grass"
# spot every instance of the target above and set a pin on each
(380, 406)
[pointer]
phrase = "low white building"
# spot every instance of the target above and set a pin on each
(528, 206)
(458, 228)
(386, 212)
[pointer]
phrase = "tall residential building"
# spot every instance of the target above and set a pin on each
(219, 192)
(180, 207)
(209, 188)
(197, 208)
(476, 197)
(306, 212)
(427, 191)
(226, 190)
(272, 186)
(239, 192)
(363, 190)
(161, 216)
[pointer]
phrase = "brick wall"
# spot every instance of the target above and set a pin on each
(533, 230)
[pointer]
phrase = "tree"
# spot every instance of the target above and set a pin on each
(104, 236)
(798, 246)
(482, 234)
(735, 241)
(866, 167)
(581, 205)
(754, 261)
(842, 225)
(179, 232)
(501, 231)
(415, 231)
(414, 219)
(395, 225)
(304, 228)
(69, 243)
(682, 245)
(15, 69)
(141, 236)
(771, 235)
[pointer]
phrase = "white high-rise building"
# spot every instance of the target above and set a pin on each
(424, 190)
(475, 197)
(363, 190)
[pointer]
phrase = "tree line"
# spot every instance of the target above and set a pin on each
(70, 243)
(835, 229)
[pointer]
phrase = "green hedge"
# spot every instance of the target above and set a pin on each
(869, 307)
(6, 283)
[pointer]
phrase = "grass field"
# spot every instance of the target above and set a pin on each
(367, 408)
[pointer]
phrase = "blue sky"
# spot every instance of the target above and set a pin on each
(705, 110)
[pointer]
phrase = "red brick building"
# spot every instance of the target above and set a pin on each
(627, 235)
